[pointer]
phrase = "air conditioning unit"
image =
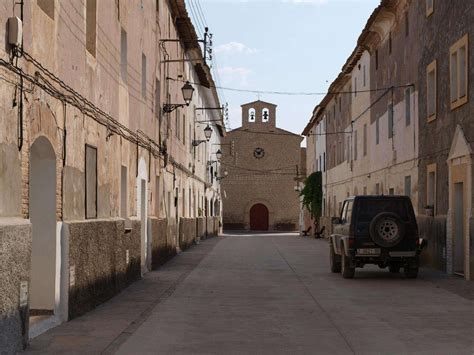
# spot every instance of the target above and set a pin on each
(15, 31)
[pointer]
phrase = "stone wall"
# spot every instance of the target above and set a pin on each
(187, 232)
(433, 229)
(15, 256)
(161, 251)
(201, 227)
(103, 260)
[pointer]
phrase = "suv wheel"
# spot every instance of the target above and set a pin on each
(387, 229)
(334, 259)
(348, 272)
(411, 272)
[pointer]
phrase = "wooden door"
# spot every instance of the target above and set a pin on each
(259, 217)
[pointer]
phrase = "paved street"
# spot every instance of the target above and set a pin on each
(273, 294)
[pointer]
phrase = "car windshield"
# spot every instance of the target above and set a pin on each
(368, 209)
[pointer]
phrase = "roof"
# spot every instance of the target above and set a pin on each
(274, 130)
(259, 101)
(190, 42)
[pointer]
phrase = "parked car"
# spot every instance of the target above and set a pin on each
(380, 230)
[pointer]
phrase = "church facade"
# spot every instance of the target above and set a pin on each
(262, 163)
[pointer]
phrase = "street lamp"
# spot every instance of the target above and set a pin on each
(218, 154)
(207, 134)
(187, 91)
(222, 177)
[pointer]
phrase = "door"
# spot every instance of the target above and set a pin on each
(458, 235)
(259, 217)
(42, 210)
(143, 227)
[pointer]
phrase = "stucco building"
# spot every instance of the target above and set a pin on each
(262, 162)
(99, 183)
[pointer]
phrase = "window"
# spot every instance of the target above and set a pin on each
(365, 190)
(158, 100)
(123, 192)
(459, 72)
(157, 196)
(431, 94)
(348, 150)
(365, 140)
(123, 55)
(431, 186)
(390, 43)
(251, 115)
(340, 104)
(176, 124)
(184, 129)
(265, 115)
(377, 131)
(144, 75)
(408, 186)
(390, 121)
(324, 161)
(364, 77)
(355, 86)
(429, 7)
(355, 145)
(377, 189)
(407, 25)
(376, 59)
(347, 213)
(407, 106)
(91, 182)
(391, 191)
(91, 26)
(47, 6)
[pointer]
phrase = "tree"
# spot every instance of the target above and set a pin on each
(312, 194)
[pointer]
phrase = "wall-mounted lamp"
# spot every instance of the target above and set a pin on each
(207, 134)
(219, 154)
(222, 177)
(188, 92)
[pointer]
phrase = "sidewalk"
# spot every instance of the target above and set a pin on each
(104, 329)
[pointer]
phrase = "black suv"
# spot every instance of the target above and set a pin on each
(378, 230)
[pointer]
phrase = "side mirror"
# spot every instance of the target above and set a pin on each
(335, 220)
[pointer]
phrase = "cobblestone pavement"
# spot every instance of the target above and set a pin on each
(273, 294)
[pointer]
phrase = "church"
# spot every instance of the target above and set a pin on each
(262, 164)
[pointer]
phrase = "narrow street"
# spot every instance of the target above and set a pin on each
(272, 293)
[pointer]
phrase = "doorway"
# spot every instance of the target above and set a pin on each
(42, 212)
(143, 226)
(458, 235)
(259, 217)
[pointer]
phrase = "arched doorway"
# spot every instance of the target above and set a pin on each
(142, 213)
(259, 217)
(42, 211)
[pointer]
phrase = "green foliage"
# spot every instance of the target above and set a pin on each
(312, 194)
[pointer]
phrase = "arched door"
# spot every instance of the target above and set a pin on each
(259, 217)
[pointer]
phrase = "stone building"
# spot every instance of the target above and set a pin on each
(408, 87)
(98, 182)
(262, 162)
(446, 136)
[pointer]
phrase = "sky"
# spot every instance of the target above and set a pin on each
(279, 45)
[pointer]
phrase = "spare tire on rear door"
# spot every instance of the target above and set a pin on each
(387, 229)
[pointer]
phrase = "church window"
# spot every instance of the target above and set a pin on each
(265, 115)
(252, 115)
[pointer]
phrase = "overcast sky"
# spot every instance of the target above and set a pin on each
(280, 45)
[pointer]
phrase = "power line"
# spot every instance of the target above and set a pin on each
(299, 93)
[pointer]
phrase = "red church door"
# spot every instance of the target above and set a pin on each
(259, 217)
